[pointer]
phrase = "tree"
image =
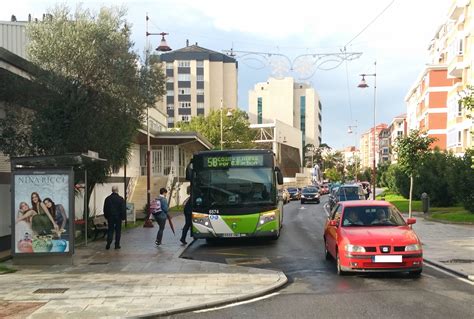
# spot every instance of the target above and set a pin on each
(333, 174)
(411, 151)
(236, 131)
(94, 92)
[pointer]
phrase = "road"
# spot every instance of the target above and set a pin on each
(316, 291)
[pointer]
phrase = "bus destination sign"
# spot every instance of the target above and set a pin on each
(233, 161)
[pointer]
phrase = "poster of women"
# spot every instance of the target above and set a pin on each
(42, 214)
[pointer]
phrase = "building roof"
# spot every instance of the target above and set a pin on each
(195, 52)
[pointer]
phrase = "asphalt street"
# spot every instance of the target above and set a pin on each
(316, 291)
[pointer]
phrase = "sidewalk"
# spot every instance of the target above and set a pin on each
(137, 280)
(448, 246)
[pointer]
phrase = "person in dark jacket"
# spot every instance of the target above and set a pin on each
(114, 211)
(161, 215)
(188, 211)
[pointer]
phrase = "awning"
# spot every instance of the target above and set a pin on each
(193, 141)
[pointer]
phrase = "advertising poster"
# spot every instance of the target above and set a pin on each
(42, 217)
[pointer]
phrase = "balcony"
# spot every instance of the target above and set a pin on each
(457, 9)
(456, 66)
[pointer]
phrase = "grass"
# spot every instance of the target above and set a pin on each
(6, 270)
(178, 208)
(456, 214)
(401, 202)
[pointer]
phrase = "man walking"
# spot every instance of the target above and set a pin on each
(161, 215)
(114, 211)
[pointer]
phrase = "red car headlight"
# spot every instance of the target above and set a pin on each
(413, 247)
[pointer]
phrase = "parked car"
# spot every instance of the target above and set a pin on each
(294, 193)
(347, 192)
(364, 236)
(332, 197)
(310, 194)
(324, 189)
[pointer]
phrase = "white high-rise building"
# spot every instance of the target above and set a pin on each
(296, 104)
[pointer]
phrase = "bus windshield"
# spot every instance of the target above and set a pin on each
(236, 186)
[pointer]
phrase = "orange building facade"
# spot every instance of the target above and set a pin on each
(427, 108)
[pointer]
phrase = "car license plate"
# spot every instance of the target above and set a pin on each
(388, 259)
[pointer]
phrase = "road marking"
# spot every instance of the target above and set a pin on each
(325, 206)
(238, 303)
(449, 274)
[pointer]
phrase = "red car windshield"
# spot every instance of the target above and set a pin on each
(372, 216)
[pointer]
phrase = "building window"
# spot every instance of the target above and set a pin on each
(184, 91)
(200, 77)
(200, 64)
(459, 113)
(200, 91)
(170, 106)
(170, 93)
(184, 64)
(185, 118)
(303, 114)
(459, 143)
(170, 79)
(200, 105)
(170, 119)
(169, 65)
(460, 47)
(259, 110)
(184, 77)
(186, 105)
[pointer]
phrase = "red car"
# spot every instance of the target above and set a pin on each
(365, 236)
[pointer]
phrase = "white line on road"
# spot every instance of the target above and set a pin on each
(325, 206)
(449, 274)
(238, 303)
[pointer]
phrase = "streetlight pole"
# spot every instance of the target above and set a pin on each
(163, 47)
(354, 155)
(363, 85)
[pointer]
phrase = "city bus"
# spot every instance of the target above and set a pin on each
(234, 194)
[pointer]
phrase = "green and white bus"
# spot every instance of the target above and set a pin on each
(234, 194)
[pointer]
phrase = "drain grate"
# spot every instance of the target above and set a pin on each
(99, 263)
(50, 290)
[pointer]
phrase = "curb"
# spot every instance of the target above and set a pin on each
(448, 269)
(431, 219)
(282, 280)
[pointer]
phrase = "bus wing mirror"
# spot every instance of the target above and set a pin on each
(189, 172)
(279, 176)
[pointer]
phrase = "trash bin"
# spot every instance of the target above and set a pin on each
(425, 202)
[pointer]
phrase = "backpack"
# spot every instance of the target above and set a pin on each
(155, 206)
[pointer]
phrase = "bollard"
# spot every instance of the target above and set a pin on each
(425, 202)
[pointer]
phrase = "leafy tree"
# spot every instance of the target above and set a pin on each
(236, 131)
(333, 174)
(460, 178)
(94, 92)
(412, 150)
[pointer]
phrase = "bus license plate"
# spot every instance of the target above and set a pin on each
(228, 235)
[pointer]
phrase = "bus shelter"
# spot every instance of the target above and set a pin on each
(43, 212)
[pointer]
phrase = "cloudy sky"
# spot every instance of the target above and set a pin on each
(397, 40)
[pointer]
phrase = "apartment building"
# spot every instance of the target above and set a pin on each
(427, 108)
(296, 104)
(457, 52)
(397, 128)
(433, 101)
(367, 145)
(198, 80)
(384, 146)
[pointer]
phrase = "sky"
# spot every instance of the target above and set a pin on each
(397, 41)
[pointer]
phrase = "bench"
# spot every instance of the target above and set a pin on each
(100, 226)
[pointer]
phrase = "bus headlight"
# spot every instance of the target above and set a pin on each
(266, 218)
(202, 219)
